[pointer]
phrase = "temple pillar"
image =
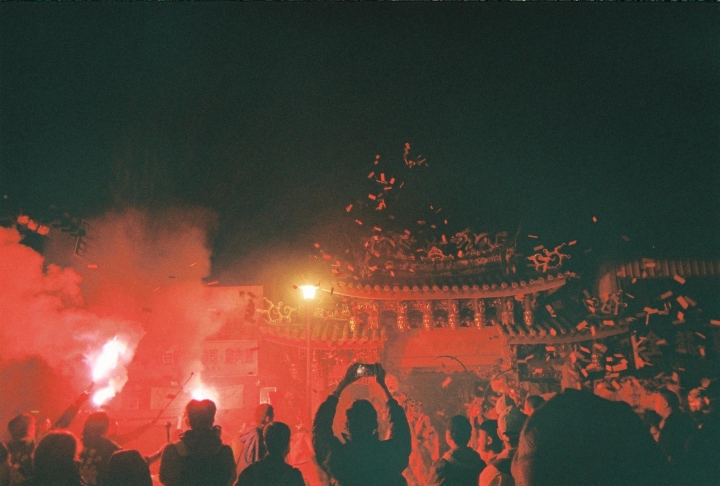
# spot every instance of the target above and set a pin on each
(479, 315)
(402, 316)
(372, 310)
(507, 311)
(427, 313)
(453, 314)
(529, 310)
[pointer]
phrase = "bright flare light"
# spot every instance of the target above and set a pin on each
(108, 359)
(103, 395)
(105, 370)
(308, 291)
(202, 392)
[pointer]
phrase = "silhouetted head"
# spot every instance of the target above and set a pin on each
(54, 457)
(264, 414)
(277, 439)
(698, 400)
(200, 414)
(510, 424)
(580, 438)
(96, 425)
(128, 468)
(459, 430)
(489, 444)
(362, 420)
(22, 426)
(666, 402)
(532, 403)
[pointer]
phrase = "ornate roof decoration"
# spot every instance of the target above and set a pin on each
(326, 333)
(460, 287)
(396, 254)
(548, 260)
(555, 330)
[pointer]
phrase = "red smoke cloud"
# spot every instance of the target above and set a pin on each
(140, 277)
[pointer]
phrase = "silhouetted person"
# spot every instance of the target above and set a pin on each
(69, 414)
(675, 427)
(578, 438)
(5, 466)
(253, 446)
(128, 468)
(701, 464)
(532, 403)
(489, 444)
(54, 461)
(272, 470)
(97, 449)
(652, 422)
(199, 458)
(460, 466)
(363, 459)
(22, 433)
(510, 423)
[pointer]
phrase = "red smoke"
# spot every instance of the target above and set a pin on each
(140, 277)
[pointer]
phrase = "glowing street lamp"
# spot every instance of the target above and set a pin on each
(308, 293)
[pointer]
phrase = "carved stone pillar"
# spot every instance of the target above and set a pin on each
(402, 316)
(479, 314)
(452, 310)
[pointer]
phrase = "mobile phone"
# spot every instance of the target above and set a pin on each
(364, 370)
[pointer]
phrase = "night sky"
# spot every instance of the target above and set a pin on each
(541, 115)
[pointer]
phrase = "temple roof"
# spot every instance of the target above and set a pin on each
(481, 285)
(662, 268)
(556, 330)
(327, 333)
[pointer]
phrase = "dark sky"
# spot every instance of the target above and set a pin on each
(540, 114)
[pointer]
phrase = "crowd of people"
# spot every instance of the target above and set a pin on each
(574, 438)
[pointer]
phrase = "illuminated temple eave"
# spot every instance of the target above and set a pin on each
(511, 289)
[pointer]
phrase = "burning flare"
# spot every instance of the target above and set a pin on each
(105, 369)
(203, 392)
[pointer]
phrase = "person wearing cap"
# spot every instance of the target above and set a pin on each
(497, 472)
(460, 466)
(363, 459)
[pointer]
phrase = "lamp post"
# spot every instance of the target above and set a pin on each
(308, 292)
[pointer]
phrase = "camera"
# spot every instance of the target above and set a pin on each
(364, 370)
